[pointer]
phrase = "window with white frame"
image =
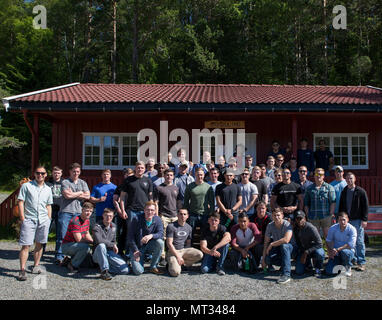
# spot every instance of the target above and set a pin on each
(350, 150)
(109, 150)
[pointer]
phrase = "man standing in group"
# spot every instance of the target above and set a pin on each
(303, 181)
(183, 179)
(320, 202)
(354, 201)
(150, 170)
(199, 200)
(248, 162)
(229, 200)
(166, 196)
(340, 242)
(270, 169)
(145, 237)
(77, 240)
(305, 156)
(278, 248)
(324, 157)
(287, 195)
(74, 191)
(34, 201)
(249, 193)
(214, 243)
(214, 182)
(260, 184)
(178, 240)
(338, 184)
(106, 250)
(102, 195)
(309, 245)
(137, 189)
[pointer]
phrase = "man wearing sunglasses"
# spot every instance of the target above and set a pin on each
(287, 195)
(320, 202)
(35, 206)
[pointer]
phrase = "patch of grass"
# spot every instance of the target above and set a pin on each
(8, 232)
(375, 241)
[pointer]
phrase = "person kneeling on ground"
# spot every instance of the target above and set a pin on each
(106, 250)
(246, 242)
(309, 245)
(145, 236)
(279, 251)
(340, 242)
(214, 243)
(77, 238)
(178, 240)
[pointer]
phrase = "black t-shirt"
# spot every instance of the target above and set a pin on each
(286, 193)
(139, 191)
(212, 237)
(261, 188)
(228, 194)
(322, 158)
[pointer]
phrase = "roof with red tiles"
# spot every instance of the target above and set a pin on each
(206, 93)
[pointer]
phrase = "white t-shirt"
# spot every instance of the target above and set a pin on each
(247, 191)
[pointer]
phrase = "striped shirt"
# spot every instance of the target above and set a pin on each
(76, 225)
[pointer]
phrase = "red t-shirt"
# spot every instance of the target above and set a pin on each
(77, 225)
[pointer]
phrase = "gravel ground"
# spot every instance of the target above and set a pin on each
(191, 285)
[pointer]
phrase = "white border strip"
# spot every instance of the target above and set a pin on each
(7, 99)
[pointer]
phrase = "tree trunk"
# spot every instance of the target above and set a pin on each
(134, 66)
(114, 51)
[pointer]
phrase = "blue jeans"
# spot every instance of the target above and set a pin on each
(281, 256)
(109, 260)
(61, 228)
(209, 262)
(317, 256)
(153, 247)
(343, 258)
(360, 249)
(77, 251)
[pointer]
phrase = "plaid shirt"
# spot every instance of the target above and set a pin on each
(319, 201)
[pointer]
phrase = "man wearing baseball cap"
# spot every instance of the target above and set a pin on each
(309, 245)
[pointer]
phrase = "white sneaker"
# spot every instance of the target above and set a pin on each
(348, 271)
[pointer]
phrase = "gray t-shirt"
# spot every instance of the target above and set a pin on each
(167, 196)
(247, 190)
(73, 205)
(180, 234)
(275, 233)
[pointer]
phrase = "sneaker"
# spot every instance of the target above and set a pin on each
(317, 273)
(58, 262)
(22, 276)
(72, 268)
(283, 279)
(360, 267)
(348, 271)
(220, 272)
(162, 262)
(105, 275)
(65, 261)
(36, 269)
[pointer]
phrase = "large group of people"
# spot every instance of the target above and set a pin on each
(253, 219)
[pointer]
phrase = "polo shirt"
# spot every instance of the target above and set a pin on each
(76, 225)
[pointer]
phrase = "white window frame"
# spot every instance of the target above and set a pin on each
(331, 137)
(102, 135)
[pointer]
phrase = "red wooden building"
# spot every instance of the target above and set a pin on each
(97, 124)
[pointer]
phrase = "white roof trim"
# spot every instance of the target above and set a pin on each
(7, 99)
(376, 88)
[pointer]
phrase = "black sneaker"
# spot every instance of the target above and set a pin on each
(65, 262)
(283, 279)
(105, 275)
(72, 268)
(162, 262)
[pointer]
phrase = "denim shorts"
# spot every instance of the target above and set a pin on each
(31, 231)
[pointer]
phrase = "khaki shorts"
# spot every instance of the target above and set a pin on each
(322, 223)
(32, 231)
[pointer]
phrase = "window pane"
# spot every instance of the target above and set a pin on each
(107, 141)
(106, 151)
(344, 141)
(88, 140)
(344, 150)
(345, 161)
(88, 150)
(354, 151)
(88, 161)
(106, 161)
(337, 150)
(115, 161)
(362, 161)
(96, 161)
(96, 141)
(114, 151)
(355, 161)
(362, 141)
(114, 141)
(362, 151)
(96, 151)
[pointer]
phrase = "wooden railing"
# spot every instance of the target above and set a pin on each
(372, 185)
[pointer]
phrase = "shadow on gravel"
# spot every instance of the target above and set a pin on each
(374, 252)
(9, 254)
(4, 272)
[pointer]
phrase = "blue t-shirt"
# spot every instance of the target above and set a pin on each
(99, 191)
(338, 187)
